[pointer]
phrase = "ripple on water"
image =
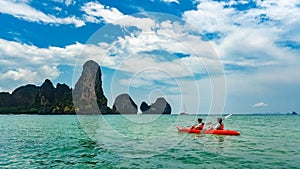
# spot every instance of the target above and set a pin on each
(61, 142)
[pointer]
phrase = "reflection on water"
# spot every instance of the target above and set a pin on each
(221, 138)
(212, 143)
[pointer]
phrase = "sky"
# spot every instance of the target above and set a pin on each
(203, 56)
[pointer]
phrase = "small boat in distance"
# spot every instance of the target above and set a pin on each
(184, 111)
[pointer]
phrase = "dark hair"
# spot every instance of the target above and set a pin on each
(220, 120)
(199, 120)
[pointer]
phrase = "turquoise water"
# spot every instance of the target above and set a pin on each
(146, 141)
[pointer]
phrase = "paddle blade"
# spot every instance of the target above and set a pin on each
(228, 116)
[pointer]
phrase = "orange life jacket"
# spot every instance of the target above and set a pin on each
(201, 127)
(222, 127)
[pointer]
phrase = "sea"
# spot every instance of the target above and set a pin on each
(147, 141)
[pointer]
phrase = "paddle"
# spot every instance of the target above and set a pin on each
(226, 117)
(211, 124)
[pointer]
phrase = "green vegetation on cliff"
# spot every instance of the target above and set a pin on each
(31, 99)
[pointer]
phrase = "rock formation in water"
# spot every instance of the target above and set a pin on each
(293, 113)
(160, 106)
(24, 96)
(88, 94)
(86, 98)
(31, 99)
(144, 107)
(5, 99)
(124, 105)
(63, 100)
(45, 98)
(22, 99)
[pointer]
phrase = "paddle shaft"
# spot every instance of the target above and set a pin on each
(226, 117)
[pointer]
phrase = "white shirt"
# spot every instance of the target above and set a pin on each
(217, 126)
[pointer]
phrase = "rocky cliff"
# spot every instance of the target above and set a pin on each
(5, 99)
(124, 105)
(31, 99)
(88, 94)
(160, 106)
(86, 98)
(22, 99)
(25, 96)
(63, 100)
(144, 107)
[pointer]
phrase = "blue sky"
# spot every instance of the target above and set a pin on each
(231, 56)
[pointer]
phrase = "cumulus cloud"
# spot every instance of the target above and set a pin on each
(211, 16)
(13, 53)
(169, 1)
(29, 76)
(200, 57)
(24, 11)
(248, 38)
(129, 50)
(19, 74)
(96, 12)
(30, 64)
(260, 104)
(247, 41)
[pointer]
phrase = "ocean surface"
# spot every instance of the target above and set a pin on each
(147, 141)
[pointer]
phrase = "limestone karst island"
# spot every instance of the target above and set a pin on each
(87, 97)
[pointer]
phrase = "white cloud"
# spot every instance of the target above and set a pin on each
(169, 1)
(15, 53)
(246, 40)
(260, 104)
(97, 12)
(143, 23)
(131, 50)
(23, 64)
(156, 70)
(69, 2)
(58, 9)
(30, 64)
(281, 10)
(211, 16)
(24, 11)
(251, 48)
(19, 74)
(26, 75)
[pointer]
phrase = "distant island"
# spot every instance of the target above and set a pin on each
(293, 113)
(87, 97)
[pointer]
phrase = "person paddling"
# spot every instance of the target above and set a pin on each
(219, 125)
(199, 126)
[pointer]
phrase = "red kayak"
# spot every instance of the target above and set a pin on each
(218, 132)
